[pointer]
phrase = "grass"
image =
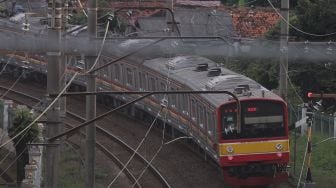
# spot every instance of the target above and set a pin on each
(323, 163)
(72, 171)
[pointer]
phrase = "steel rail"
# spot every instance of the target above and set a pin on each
(99, 145)
(129, 148)
(108, 153)
(102, 147)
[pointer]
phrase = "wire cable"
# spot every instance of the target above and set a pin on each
(324, 140)
(50, 105)
(101, 48)
(26, 121)
(10, 165)
(303, 162)
(297, 29)
(37, 118)
(138, 147)
(13, 85)
(81, 6)
(8, 60)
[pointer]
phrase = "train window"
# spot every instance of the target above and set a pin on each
(129, 77)
(152, 85)
(193, 109)
(260, 119)
(210, 124)
(104, 71)
(201, 116)
(172, 98)
(184, 103)
(117, 72)
(162, 88)
(142, 81)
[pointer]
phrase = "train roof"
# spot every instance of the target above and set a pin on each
(200, 73)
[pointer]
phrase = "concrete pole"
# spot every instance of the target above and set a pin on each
(91, 99)
(284, 49)
(53, 87)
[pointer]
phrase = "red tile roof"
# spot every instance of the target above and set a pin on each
(253, 23)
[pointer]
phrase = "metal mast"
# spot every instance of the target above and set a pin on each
(284, 49)
(53, 87)
(91, 100)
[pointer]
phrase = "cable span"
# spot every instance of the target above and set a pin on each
(81, 6)
(136, 150)
(38, 117)
(101, 47)
(51, 104)
(13, 85)
(13, 162)
(304, 160)
(297, 29)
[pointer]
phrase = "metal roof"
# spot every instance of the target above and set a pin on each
(183, 70)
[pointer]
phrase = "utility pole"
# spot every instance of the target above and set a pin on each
(53, 87)
(284, 49)
(91, 100)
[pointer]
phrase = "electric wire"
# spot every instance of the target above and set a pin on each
(297, 29)
(101, 48)
(8, 60)
(136, 150)
(26, 121)
(163, 136)
(13, 85)
(81, 6)
(303, 162)
(324, 140)
(38, 117)
(10, 165)
(50, 105)
(8, 153)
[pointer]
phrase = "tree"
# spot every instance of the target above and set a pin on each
(317, 17)
(78, 18)
(22, 119)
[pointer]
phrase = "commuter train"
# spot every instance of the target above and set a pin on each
(252, 152)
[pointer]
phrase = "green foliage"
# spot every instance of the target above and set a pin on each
(22, 119)
(78, 19)
(103, 4)
(263, 3)
(316, 17)
(323, 160)
(264, 71)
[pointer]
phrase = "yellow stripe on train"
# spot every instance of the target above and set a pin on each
(242, 148)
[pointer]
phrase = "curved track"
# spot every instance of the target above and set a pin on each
(31, 101)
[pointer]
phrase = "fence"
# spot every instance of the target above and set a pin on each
(322, 123)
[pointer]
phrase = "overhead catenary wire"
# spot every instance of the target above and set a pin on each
(8, 167)
(303, 162)
(81, 6)
(8, 153)
(8, 60)
(137, 148)
(163, 135)
(324, 140)
(101, 47)
(297, 29)
(38, 117)
(50, 105)
(13, 85)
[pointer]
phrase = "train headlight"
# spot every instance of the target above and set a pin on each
(279, 146)
(229, 149)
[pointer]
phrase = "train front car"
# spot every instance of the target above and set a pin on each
(256, 152)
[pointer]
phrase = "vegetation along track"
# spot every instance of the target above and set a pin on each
(104, 144)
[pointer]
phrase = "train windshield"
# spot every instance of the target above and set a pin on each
(260, 119)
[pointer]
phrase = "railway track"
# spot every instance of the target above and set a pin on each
(180, 165)
(104, 144)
